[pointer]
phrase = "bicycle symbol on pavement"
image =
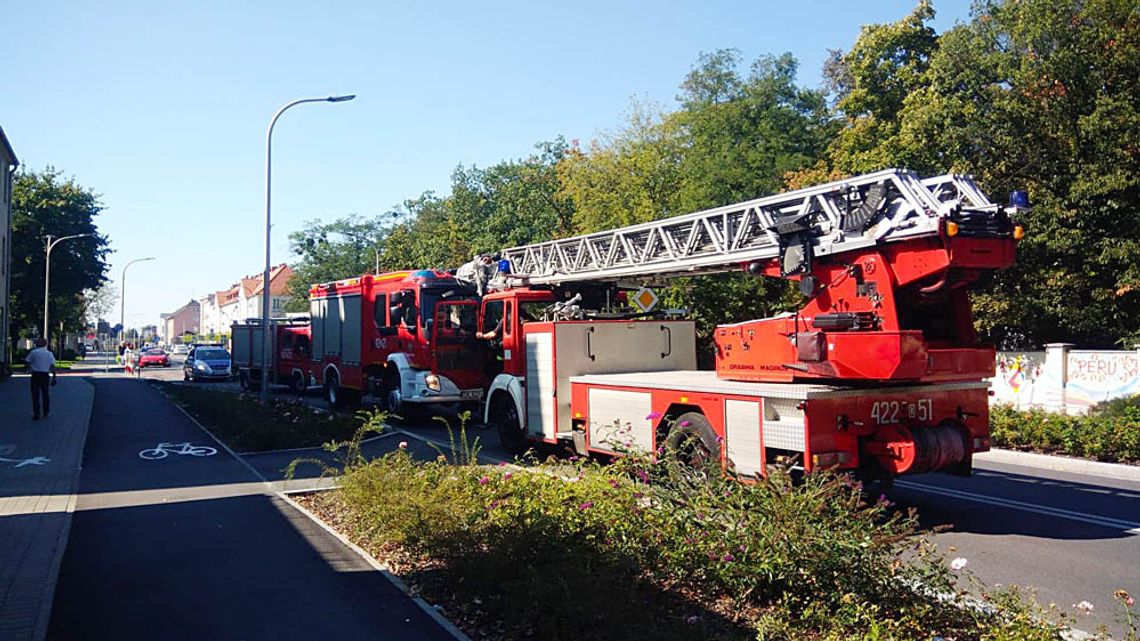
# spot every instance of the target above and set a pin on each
(165, 449)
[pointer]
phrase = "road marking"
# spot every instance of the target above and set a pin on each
(163, 449)
(1129, 527)
(35, 460)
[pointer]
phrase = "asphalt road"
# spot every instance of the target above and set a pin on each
(1072, 537)
(193, 547)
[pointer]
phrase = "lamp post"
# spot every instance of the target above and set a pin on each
(123, 297)
(47, 272)
(265, 338)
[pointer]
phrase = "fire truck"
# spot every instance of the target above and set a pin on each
(289, 350)
(406, 337)
(879, 372)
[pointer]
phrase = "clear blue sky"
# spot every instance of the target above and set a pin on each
(161, 107)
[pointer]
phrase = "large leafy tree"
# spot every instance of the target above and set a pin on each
(344, 248)
(45, 203)
(1040, 95)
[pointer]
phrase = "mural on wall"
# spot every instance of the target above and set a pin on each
(1064, 380)
(1099, 376)
(1018, 379)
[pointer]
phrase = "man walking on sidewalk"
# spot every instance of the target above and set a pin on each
(42, 364)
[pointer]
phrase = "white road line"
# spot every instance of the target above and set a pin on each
(1129, 527)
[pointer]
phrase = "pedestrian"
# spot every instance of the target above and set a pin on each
(41, 362)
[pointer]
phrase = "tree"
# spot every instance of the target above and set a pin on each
(44, 203)
(344, 248)
(1046, 96)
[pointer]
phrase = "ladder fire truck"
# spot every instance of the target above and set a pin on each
(407, 337)
(879, 372)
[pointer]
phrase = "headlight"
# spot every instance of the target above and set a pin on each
(202, 366)
(432, 382)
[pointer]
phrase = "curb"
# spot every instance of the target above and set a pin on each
(455, 632)
(1061, 464)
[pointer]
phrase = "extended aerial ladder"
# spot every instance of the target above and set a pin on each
(882, 258)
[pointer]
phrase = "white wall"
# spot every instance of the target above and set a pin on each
(1064, 379)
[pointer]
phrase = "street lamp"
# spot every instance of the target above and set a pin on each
(265, 338)
(47, 272)
(123, 297)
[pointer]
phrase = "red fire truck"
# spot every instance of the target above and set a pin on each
(406, 337)
(290, 353)
(879, 372)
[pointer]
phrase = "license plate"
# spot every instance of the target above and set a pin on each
(471, 394)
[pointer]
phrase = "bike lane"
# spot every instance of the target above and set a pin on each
(194, 547)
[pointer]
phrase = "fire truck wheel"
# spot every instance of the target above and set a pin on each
(390, 399)
(691, 444)
(505, 420)
(297, 383)
(333, 392)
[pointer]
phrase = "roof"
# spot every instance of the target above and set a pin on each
(6, 147)
(191, 304)
(279, 278)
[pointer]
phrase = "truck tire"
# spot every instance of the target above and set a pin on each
(392, 400)
(691, 446)
(333, 391)
(505, 419)
(298, 384)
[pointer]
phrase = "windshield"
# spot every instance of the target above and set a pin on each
(213, 354)
(155, 352)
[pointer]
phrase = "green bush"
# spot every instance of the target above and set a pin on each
(628, 551)
(1109, 432)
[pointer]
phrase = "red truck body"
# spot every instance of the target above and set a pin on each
(407, 337)
(290, 361)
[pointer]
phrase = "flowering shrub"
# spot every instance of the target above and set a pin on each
(1110, 432)
(581, 551)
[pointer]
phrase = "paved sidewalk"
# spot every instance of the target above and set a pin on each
(39, 473)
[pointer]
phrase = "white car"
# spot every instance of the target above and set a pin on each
(181, 350)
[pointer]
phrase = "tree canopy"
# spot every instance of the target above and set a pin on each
(44, 203)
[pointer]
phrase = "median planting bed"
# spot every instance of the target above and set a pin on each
(583, 551)
(1109, 432)
(247, 425)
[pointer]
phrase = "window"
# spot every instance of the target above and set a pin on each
(492, 316)
(276, 304)
(380, 311)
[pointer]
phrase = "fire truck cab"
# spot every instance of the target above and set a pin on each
(406, 337)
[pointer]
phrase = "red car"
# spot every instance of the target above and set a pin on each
(154, 357)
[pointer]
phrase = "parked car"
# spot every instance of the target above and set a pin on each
(180, 350)
(206, 362)
(154, 358)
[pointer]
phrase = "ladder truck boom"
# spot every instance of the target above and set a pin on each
(887, 206)
(879, 371)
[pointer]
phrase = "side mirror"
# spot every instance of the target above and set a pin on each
(397, 298)
(394, 313)
(410, 318)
